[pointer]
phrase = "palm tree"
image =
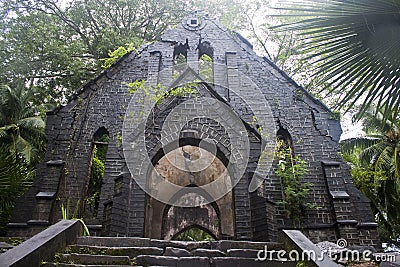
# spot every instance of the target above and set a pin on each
(22, 145)
(376, 170)
(15, 178)
(21, 126)
(355, 45)
(380, 146)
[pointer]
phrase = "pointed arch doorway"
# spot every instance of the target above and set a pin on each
(178, 219)
(216, 218)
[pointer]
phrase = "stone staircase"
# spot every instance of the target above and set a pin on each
(132, 251)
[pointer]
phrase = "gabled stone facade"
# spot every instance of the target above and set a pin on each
(125, 209)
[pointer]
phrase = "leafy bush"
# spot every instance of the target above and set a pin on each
(15, 177)
(291, 169)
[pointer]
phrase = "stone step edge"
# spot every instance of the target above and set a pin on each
(240, 253)
(86, 259)
(147, 242)
(52, 264)
(208, 258)
(113, 247)
(145, 258)
(114, 251)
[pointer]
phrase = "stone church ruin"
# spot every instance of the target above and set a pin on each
(238, 106)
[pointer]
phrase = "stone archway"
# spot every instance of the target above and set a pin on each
(177, 219)
(166, 221)
(194, 233)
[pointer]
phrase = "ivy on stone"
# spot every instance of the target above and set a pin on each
(158, 93)
(291, 169)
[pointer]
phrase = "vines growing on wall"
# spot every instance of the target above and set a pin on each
(97, 174)
(291, 169)
(158, 93)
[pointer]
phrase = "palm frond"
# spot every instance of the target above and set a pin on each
(384, 161)
(9, 105)
(23, 148)
(21, 129)
(353, 144)
(396, 165)
(31, 122)
(357, 44)
(370, 154)
(14, 178)
(374, 122)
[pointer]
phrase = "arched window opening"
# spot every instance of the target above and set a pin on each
(284, 140)
(284, 151)
(97, 165)
(180, 58)
(206, 68)
(205, 48)
(206, 53)
(291, 169)
(179, 65)
(194, 233)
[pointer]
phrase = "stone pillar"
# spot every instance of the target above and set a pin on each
(45, 198)
(343, 209)
(242, 197)
(193, 56)
(220, 76)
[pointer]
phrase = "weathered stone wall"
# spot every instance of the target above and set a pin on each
(70, 129)
(342, 211)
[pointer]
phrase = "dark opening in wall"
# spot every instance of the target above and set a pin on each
(194, 23)
(284, 140)
(96, 172)
(118, 184)
(194, 233)
(180, 49)
(180, 58)
(206, 54)
(205, 48)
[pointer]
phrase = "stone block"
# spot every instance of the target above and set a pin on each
(176, 252)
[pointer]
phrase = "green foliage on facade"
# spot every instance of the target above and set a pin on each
(96, 175)
(291, 169)
(158, 93)
(194, 234)
(116, 54)
(206, 68)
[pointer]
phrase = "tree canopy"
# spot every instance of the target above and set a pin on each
(56, 45)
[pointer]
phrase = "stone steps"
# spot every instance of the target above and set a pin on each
(116, 251)
(94, 259)
(147, 242)
(7, 243)
(147, 260)
(128, 251)
(52, 264)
